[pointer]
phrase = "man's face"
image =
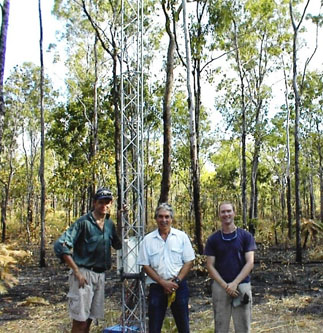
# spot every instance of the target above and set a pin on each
(226, 214)
(164, 220)
(102, 206)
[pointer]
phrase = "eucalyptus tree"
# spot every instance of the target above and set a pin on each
(312, 121)
(26, 80)
(199, 42)
(195, 167)
(22, 89)
(109, 42)
(171, 11)
(296, 23)
(253, 40)
(42, 259)
(274, 155)
(226, 163)
(182, 183)
(287, 109)
(88, 84)
(5, 6)
(9, 160)
(153, 120)
(104, 18)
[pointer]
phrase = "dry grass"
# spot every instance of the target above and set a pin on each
(286, 315)
(299, 312)
(277, 315)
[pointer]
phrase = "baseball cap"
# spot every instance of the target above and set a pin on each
(103, 193)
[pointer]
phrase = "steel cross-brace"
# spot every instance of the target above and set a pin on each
(132, 165)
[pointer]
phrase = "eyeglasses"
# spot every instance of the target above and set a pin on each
(232, 238)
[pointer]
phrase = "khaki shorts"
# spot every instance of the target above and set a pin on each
(87, 302)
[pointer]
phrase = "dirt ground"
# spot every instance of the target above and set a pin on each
(287, 298)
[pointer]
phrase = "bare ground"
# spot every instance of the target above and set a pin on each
(288, 297)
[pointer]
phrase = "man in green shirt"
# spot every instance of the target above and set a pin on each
(86, 248)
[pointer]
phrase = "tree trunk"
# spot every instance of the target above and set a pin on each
(167, 123)
(253, 192)
(4, 203)
(193, 139)
(312, 197)
(297, 175)
(42, 259)
(94, 126)
(297, 99)
(287, 174)
(321, 190)
(200, 11)
(117, 136)
(320, 171)
(113, 52)
(243, 133)
(3, 220)
(3, 42)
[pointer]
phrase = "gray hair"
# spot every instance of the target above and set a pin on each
(166, 206)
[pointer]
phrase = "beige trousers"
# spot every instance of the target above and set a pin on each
(224, 309)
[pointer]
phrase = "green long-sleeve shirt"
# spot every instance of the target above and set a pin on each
(87, 243)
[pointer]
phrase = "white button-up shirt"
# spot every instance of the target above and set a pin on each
(165, 257)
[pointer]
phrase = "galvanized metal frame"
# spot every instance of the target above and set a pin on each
(132, 163)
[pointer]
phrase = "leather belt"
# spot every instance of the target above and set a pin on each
(94, 269)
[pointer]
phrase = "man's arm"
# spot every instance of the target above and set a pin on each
(185, 270)
(214, 274)
(246, 269)
(168, 285)
(71, 263)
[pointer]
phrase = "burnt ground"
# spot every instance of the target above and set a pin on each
(288, 297)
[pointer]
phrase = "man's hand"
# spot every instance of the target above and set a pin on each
(231, 289)
(81, 278)
(169, 286)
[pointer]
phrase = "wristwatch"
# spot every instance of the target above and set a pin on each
(177, 280)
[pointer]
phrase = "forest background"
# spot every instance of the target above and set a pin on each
(258, 121)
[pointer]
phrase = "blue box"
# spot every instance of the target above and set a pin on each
(119, 328)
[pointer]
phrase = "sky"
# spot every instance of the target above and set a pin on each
(23, 37)
(23, 40)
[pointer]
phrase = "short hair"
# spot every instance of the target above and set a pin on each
(227, 203)
(166, 206)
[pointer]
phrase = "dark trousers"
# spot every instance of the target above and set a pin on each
(157, 306)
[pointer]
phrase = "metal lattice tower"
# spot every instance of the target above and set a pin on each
(132, 163)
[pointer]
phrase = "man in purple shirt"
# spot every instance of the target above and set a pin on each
(230, 259)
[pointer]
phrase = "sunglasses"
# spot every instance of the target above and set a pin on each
(104, 192)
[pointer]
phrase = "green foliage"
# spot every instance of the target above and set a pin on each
(226, 163)
(261, 30)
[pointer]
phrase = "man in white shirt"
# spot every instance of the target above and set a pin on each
(166, 255)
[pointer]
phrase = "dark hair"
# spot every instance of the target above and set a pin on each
(166, 206)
